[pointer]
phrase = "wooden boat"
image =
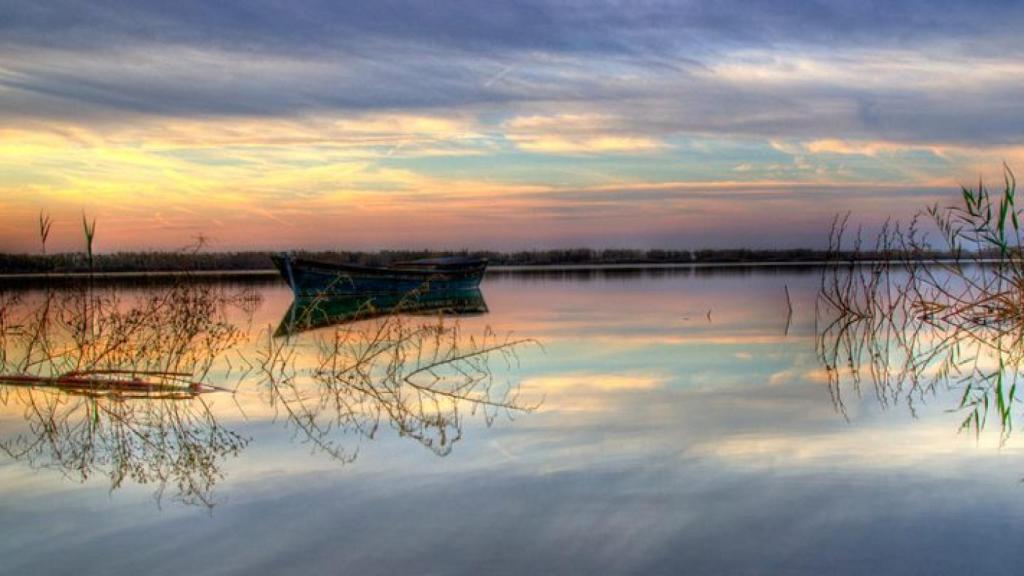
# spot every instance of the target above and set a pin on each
(311, 313)
(311, 278)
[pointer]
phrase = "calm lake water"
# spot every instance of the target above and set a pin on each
(661, 422)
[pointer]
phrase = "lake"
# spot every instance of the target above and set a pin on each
(664, 421)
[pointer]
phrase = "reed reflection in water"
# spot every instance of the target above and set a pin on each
(113, 387)
(119, 387)
(917, 325)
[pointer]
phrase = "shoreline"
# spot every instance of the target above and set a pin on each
(498, 268)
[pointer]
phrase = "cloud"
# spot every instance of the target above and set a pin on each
(528, 25)
(807, 93)
(576, 134)
(835, 70)
(597, 114)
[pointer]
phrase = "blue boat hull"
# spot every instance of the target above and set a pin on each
(309, 278)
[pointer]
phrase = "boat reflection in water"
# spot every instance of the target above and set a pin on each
(378, 367)
(318, 312)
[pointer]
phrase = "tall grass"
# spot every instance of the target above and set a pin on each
(114, 387)
(916, 323)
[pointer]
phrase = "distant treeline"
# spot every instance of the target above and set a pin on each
(235, 261)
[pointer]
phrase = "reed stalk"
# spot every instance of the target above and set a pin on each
(44, 228)
(90, 235)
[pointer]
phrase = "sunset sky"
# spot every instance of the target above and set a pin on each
(379, 123)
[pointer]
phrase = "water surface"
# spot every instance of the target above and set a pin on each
(669, 421)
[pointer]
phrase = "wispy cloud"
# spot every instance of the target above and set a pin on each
(576, 134)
